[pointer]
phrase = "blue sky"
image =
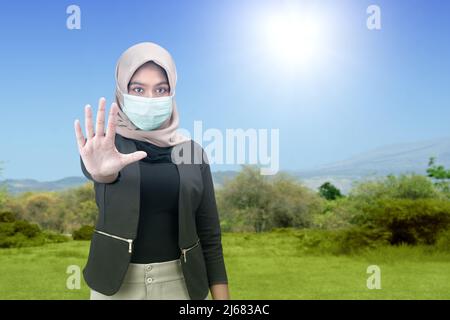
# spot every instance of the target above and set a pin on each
(363, 90)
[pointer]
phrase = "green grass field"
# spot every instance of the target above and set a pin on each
(259, 266)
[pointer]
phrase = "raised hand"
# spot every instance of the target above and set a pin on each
(98, 152)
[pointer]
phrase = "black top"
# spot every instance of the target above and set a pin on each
(157, 236)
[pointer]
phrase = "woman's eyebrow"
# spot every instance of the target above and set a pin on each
(143, 84)
(162, 82)
(138, 83)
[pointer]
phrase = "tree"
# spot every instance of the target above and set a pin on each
(246, 199)
(440, 174)
(292, 204)
(329, 191)
(256, 202)
(45, 209)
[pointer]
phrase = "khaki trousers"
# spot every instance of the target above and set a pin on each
(153, 281)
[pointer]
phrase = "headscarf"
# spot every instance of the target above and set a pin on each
(165, 135)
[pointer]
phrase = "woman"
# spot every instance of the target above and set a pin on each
(157, 235)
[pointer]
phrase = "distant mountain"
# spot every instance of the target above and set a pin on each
(16, 186)
(391, 159)
(395, 158)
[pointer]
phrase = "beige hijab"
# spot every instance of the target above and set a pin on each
(135, 56)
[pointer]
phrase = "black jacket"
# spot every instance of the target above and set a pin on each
(116, 227)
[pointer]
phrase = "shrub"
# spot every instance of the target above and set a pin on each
(443, 241)
(52, 237)
(292, 204)
(405, 186)
(255, 202)
(344, 241)
(7, 216)
(83, 233)
(15, 241)
(7, 229)
(409, 221)
(21, 233)
(338, 214)
(358, 238)
(27, 229)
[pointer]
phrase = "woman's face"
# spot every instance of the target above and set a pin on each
(150, 81)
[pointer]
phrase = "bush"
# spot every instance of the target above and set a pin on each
(21, 233)
(52, 237)
(7, 229)
(7, 216)
(27, 229)
(292, 204)
(358, 238)
(84, 233)
(443, 241)
(255, 202)
(404, 186)
(15, 241)
(409, 221)
(345, 241)
(318, 241)
(338, 214)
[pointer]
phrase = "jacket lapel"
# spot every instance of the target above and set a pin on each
(124, 196)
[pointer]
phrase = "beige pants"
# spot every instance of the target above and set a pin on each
(153, 281)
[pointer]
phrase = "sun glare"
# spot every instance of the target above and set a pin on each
(297, 39)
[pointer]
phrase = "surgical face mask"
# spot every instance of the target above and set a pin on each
(147, 113)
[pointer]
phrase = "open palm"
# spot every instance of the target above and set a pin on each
(98, 152)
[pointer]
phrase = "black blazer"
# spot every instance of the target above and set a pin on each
(116, 227)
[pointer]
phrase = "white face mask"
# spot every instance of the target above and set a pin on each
(147, 113)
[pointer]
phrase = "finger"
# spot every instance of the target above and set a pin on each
(100, 124)
(88, 121)
(133, 157)
(112, 122)
(79, 134)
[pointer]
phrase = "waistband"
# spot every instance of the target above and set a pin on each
(157, 271)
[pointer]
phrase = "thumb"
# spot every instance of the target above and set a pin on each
(133, 157)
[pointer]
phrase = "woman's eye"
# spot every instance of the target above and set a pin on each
(138, 90)
(161, 90)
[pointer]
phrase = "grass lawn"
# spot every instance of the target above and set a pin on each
(260, 266)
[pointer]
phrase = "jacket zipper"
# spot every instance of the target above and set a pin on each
(183, 251)
(130, 241)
